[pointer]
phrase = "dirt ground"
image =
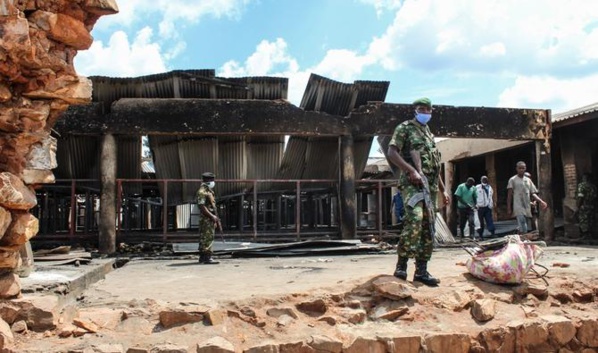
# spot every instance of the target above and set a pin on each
(126, 306)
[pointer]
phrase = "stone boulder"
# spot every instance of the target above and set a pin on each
(177, 317)
(448, 342)
(215, 345)
(483, 310)
(325, 344)
(10, 286)
(6, 336)
(364, 345)
(24, 226)
(39, 312)
(15, 195)
(265, 348)
(313, 308)
(587, 332)
(277, 312)
(392, 288)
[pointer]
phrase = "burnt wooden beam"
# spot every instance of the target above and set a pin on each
(201, 116)
(451, 121)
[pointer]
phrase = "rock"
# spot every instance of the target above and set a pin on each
(483, 309)
(40, 312)
(103, 317)
(296, 347)
(560, 329)
(168, 348)
(531, 335)
(42, 155)
(215, 345)
(63, 28)
(38, 176)
(9, 311)
(330, 320)
(109, 348)
(313, 308)
(15, 195)
(403, 344)
(325, 344)
(9, 261)
(392, 288)
(284, 320)
(10, 286)
(87, 325)
(501, 340)
(137, 350)
(562, 296)
(391, 315)
(354, 316)
(456, 300)
(540, 291)
(216, 316)
(136, 324)
(267, 348)
(101, 7)
(247, 311)
(24, 226)
(5, 221)
(585, 295)
(587, 332)
(19, 327)
(363, 345)
(177, 317)
(354, 304)
(277, 312)
(5, 94)
(6, 336)
(448, 342)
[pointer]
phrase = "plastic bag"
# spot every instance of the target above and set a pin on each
(509, 264)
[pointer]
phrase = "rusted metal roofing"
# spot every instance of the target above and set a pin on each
(317, 157)
(575, 112)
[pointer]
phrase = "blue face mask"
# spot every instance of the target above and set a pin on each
(423, 118)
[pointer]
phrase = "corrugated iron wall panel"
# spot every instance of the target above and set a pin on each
(264, 155)
(232, 164)
(293, 161)
(321, 160)
(78, 157)
(166, 162)
(128, 150)
(196, 157)
(361, 152)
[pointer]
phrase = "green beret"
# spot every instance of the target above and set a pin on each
(423, 101)
(208, 175)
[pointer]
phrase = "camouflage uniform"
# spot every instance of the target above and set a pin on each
(586, 192)
(207, 228)
(415, 240)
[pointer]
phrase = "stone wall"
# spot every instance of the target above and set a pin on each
(38, 41)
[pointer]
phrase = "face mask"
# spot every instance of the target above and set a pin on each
(484, 182)
(422, 118)
(211, 184)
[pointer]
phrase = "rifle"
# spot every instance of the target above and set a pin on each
(424, 194)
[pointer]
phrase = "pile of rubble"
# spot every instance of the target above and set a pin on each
(382, 315)
(145, 249)
(38, 41)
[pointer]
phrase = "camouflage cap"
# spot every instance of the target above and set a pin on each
(207, 175)
(423, 101)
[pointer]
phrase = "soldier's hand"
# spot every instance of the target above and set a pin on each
(447, 198)
(415, 178)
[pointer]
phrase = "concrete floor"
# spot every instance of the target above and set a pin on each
(236, 279)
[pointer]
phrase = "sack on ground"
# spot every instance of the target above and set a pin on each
(510, 264)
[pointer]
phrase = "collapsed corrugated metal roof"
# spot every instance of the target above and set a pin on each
(317, 157)
(239, 157)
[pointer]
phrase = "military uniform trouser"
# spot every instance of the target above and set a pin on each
(586, 216)
(416, 240)
(207, 230)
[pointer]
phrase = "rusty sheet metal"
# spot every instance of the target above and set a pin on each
(196, 156)
(128, 150)
(78, 157)
(264, 156)
(166, 162)
(232, 164)
(451, 121)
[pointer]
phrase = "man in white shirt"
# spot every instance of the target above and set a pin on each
(520, 191)
(485, 204)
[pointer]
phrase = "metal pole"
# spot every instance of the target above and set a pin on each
(255, 210)
(119, 192)
(380, 208)
(298, 211)
(73, 221)
(165, 211)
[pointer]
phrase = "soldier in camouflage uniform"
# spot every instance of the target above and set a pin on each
(586, 204)
(208, 220)
(415, 240)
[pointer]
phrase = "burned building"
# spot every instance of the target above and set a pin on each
(237, 128)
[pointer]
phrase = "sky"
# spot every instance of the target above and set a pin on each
(492, 53)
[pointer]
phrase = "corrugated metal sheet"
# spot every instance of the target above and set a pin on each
(166, 161)
(575, 112)
(264, 155)
(196, 156)
(128, 151)
(232, 164)
(332, 97)
(78, 157)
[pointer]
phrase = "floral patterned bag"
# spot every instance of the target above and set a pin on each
(509, 264)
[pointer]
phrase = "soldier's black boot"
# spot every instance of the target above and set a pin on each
(206, 259)
(401, 270)
(422, 275)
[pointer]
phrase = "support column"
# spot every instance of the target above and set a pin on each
(491, 174)
(544, 169)
(449, 181)
(347, 189)
(107, 226)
